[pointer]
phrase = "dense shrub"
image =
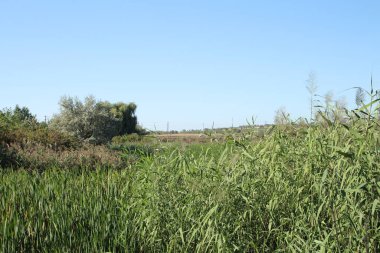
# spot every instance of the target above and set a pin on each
(121, 139)
(20, 131)
(40, 157)
(95, 121)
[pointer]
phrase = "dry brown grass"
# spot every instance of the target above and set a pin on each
(187, 138)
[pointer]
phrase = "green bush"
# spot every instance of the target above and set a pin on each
(95, 121)
(127, 138)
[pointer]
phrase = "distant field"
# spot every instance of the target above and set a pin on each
(184, 137)
(209, 135)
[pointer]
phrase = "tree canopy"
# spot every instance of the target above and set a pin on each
(96, 121)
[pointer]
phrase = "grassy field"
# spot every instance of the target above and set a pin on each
(297, 189)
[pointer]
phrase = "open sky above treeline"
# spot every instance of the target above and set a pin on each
(190, 63)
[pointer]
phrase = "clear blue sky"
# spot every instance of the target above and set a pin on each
(186, 62)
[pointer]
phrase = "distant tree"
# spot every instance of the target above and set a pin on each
(96, 121)
(312, 89)
(18, 116)
(78, 118)
(126, 113)
(23, 114)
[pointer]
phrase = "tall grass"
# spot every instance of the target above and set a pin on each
(298, 189)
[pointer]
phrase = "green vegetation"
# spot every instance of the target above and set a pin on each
(295, 188)
(95, 121)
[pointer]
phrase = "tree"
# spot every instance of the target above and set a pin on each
(126, 113)
(130, 119)
(96, 121)
(18, 114)
(312, 89)
(23, 114)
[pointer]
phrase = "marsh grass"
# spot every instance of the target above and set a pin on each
(313, 188)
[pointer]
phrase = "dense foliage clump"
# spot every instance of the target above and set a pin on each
(95, 121)
(68, 140)
(21, 135)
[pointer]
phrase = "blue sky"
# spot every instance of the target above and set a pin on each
(189, 63)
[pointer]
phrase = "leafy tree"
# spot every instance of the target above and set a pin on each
(124, 113)
(18, 116)
(96, 121)
(129, 122)
(16, 123)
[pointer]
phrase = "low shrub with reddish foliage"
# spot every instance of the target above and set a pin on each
(41, 135)
(41, 157)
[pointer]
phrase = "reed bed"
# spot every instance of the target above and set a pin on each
(298, 189)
